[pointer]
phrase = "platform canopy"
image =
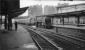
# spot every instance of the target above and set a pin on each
(6, 5)
(17, 12)
(75, 13)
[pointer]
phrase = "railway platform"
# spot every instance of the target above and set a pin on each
(19, 39)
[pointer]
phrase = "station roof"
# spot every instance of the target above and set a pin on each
(68, 14)
(76, 14)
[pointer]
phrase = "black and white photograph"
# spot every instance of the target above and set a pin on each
(42, 24)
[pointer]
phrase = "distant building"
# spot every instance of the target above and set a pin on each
(50, 10)
(35, 10)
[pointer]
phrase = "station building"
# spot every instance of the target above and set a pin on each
(66, 15)
(70, 15)
(69, 21)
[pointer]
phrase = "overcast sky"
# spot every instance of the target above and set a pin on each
(24, 3)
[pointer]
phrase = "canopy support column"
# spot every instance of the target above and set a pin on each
(63, 20)
(78, 21)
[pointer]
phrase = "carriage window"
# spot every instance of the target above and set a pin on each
(56, 21)
(68, 20)
(82, 20)
(72, 20)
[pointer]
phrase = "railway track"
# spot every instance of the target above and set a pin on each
(60, 42)
(41, 43)
(62, 36)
